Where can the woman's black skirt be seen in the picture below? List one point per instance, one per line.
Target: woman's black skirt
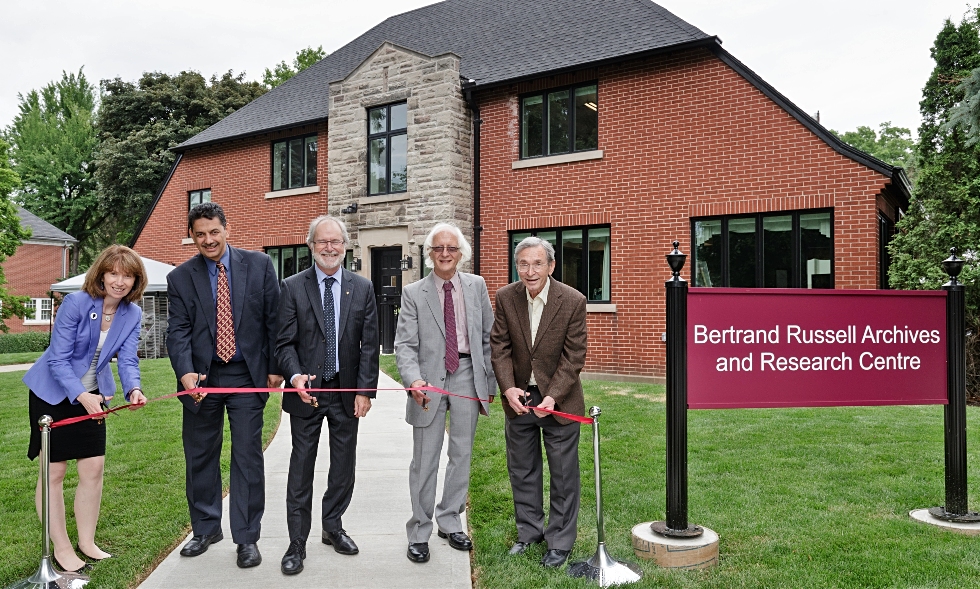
(83, 439)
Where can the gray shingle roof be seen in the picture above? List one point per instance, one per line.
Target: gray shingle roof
(496, 40)
(41, 230)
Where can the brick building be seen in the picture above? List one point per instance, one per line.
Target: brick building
(39, 262)
(610, 127)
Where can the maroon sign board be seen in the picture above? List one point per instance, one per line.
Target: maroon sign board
(814, 348)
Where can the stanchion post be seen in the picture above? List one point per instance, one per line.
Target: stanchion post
(954, 414)
(676, 525)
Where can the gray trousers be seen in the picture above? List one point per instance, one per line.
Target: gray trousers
(427, 447)
(525, 466)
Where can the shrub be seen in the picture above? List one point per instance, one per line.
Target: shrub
(32, 341)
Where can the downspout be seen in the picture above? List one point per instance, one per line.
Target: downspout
(477, 122)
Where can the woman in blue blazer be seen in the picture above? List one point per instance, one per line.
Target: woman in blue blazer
(73, 378)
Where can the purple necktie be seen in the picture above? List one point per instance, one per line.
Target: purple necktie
(452, 349)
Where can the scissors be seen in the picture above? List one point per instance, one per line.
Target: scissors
(309, 379)
(197, 396)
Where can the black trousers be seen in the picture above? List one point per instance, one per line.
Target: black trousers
(203, 433)
(340, 478)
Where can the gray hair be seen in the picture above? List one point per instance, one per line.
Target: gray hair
(464, 246)
(316, 223)
(535, 242)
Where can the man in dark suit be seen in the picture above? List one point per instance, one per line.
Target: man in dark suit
(538, 344)
(328, 338)
(221, 333)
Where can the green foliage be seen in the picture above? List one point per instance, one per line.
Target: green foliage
(892, 145)
(139, 122)
(282, 72)
(11, 235)
(31, 341)
(53, 141)
(944, 211)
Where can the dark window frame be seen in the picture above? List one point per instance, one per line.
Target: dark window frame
(545, 118)
(272, 162)
(760, 246)
(387, 135)
(277, 261)
(201, 191)
(559, 253)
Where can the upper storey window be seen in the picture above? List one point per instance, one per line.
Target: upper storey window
(560, 121)
(387, 149)
(294, 163)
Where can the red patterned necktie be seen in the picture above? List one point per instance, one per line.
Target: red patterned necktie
(226, 327)
(452, 348)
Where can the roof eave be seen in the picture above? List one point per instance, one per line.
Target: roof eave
(184, 147)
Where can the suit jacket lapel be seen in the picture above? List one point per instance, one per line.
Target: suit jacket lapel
(474, 318)
(316, 301)
(549, 311)
(523, 317)
(431, 296)
(202, 283)
(239, 278)
(95, 307)
(345, 302)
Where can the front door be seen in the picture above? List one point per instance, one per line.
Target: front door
(386, 274)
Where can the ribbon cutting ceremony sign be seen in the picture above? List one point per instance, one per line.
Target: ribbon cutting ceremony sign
(811, 348)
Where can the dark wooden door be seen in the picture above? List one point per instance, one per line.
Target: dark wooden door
(386, 274)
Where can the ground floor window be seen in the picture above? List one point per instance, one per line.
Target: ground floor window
(39, 311)
(582, 258)
(290, 259)
(787, 249)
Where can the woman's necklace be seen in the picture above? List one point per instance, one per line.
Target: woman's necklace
(107, 316)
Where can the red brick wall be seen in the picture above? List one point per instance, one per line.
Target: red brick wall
(239, 174)
(682, 136)
(30, 272)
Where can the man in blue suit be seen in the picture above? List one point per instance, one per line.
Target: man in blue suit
(221, 333)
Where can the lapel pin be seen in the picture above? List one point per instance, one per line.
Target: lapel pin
(94, 315)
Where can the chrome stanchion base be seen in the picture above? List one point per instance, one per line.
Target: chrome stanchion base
(46, 577)
(605, 570)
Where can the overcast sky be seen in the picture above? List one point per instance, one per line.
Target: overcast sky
(858, 62)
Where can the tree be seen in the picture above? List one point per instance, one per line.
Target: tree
(944, 211)
(139, 122)
(282, 72)
(892, 145)
(11, 235)
(53, 142)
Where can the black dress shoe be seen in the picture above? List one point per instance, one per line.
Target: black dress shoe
(199, 544)
(458, 540)
(248, 556)
(520, 548)
(554, 558)
(292, 561)
(82, 570)
(418, 552)
(341, 542)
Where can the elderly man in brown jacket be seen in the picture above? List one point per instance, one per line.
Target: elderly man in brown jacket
(538, 344)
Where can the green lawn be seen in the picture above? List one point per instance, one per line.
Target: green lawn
(389, 367)
(144, 512)
(19, 358)
(800, 498)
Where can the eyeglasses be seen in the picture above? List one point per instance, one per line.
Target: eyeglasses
(326, 242)
(445, 248)
(524, 266)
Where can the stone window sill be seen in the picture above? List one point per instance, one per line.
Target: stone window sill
(292, 192)
(382, 198)
(600, 308)
(187, 241)
(36, 322)
(564, 158)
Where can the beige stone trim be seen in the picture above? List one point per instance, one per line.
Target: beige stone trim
(187, 241)
(564, 158)
(382, 198)
(600, 308)
(292, 192)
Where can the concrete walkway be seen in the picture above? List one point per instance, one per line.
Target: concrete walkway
(15, 367)
(375, 520)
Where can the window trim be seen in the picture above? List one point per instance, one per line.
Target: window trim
(606, 304)
(201, 191)
(272, 163)
(387, 135)
(277, 262)
(760, 248)
(544, 117)
(38, 309)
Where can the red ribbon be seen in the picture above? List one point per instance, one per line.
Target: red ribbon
(219, 390)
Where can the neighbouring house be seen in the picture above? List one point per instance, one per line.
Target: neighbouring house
(42, 259)
(609, 127)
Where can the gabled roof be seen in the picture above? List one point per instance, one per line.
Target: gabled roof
(497, 41)
(41, 230)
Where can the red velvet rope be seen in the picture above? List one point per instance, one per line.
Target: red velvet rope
(219, 390)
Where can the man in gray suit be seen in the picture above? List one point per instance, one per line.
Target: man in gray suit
(328, 338)
(443, 340)
(221, 332)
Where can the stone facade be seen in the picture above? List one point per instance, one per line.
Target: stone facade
(439, 155)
